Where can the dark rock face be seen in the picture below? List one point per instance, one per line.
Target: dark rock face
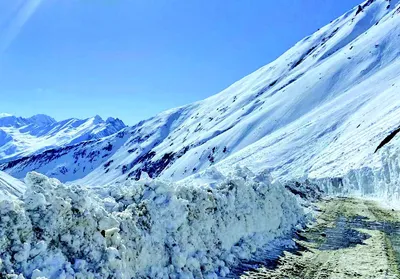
(359, 10)
(388, 139)
(145, 163)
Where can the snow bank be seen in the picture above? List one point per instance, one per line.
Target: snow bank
(382, 181)
(149, 229)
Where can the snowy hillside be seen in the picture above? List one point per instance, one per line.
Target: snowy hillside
(321, 109)
(10, 188)
(20, 137)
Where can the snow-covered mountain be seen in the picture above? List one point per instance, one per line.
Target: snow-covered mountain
(21, 137)
(320, 109)
(10, 188)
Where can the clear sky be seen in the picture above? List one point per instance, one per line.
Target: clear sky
(134, 58)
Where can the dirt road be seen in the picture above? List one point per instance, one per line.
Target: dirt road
(351, 239)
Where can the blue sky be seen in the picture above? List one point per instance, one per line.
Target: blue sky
(134, 58)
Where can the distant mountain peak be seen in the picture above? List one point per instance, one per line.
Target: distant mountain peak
(97, 119)
(21, 136)
(42, 119)
(4, 114)
(115, 122)
(9, 120)
(111, 119)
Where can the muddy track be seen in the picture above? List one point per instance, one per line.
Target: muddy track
(351, 238)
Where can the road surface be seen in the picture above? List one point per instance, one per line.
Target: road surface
(351, 238)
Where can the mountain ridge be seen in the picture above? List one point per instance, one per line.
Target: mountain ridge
(21, 137)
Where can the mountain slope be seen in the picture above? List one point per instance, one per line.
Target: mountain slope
(10, 188)
(21, 137)
(320, 109)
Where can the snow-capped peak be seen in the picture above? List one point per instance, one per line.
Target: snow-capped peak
(42, 119)
(4, 114)
(26, 136)
(97, 119)
(9, 120)
(116, 122)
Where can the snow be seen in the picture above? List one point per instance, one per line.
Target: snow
(4, 114)
(73, 161)
(381, 182)
(20, 137)
(149, 228)
(10, 188)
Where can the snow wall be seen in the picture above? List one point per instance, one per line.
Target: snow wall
(145, 229)
(381, 181)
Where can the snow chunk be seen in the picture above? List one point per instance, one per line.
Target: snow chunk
(147, 228)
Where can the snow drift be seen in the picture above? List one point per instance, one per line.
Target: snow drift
(145, 229)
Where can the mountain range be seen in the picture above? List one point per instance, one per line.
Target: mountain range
(21, 137)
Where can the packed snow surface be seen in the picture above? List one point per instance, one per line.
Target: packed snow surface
(145, 229)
